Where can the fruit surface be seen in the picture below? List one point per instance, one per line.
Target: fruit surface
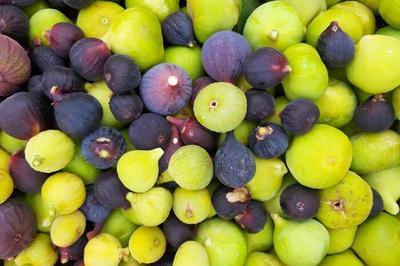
(191, 252)
(147, 244)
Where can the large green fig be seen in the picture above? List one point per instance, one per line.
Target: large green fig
(341, 239)
(347, 258)
(389, 11)
(314, 7)
(162, 8)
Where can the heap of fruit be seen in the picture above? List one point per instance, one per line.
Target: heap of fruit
(200, 132)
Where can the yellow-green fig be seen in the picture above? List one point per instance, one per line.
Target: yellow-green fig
(210, 16)
(191, 253)
(41, 252)
(377, 241)
(396, 101)
(389, 31)
(371, 4)
(263, 259)
(366, 16)
(389, 11)
(189, 58)
(306, 14)
(347, 258)
(341, 239)
(366, 71)
(262, 240)
(162, 8)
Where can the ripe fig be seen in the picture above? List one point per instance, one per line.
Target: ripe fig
(377, 204)
(299, 202)
(253, 219)
(198, 85)
(230, 202)
(109, 190)
(177, 232)
(62, 37)
(260, 105)
(174, 144)
(14, 23)
(126, 108)
(177, 29)
(44, 58)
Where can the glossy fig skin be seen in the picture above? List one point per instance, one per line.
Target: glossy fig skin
(268, 141)
(253, 219)
(260, 104)
(234, 163)
(25, 178)
(126, 108)
(110, 191)
(23, 115)
(122, 74)
(177, 29)
(198, 85)
(44, 58)
(335, 46)
(375, 114)
(224, 54)
(18, 228)
(150, 131)
(174, 144)
(88, 56)
(165, 89)
(77, 114)
(62, 36)
(78, 4)
(230, 202)
(93, 209)
(265, 67)
(14, 23)
(15, 66)
(178, 232)
(299, 116)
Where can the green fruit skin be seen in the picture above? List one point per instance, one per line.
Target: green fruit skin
(162, 8)
(11, 144)
(224, 241)
(119, 226)
(337, 105)
(347, 21)
(32, 9)
(44, 213)
(309, 77)
(42, 21)
(375, 151)
(262, 240)
(389, 31)
(79, 166)
(263, 259)
(273, 205)
(395, 102)
(129, 144)
(306, 14)
(371, 4)
(136, 32)
(365, 71)
(191, 253)
(377, 241)
(300, 243)
(315, 162)
(280, 104)
(186, 57)
(389, 11)
(330, 3)
(274, 24)
(211, 16)
(365, 15)
(341, 239)
(241, 132)
(192, 207)
(347, 258)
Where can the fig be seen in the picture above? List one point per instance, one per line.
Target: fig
(346, 258)
(335, 46)
(252, 220)
(93, 209)
(198, 85)
(11, 144)
(396, 102)
(262, 240)
(177, 29)
(234, 163)
(174, 144)
(165, 89)
(66, 229)
(15, 68)
(19, 3)
(62, 36)
(73, 252)
(177, 232)
(187, 58)
(341, 239)
(44, 58)
(377, 204)
(229, 202)
(34, 85)
(147, 244)
(162, 8)
(44, 214)
(241, 132)
(126, 108)
(260, 105)
(103, 249)
(119, 226)
(300, 243)
(23, 115)
(387, 10)
(4, 160)
(126, 36)
(224, 54)
(7, 184)
(14, 23)
(224, 16)
(193, 253)
(191, 206)
(371, 51)
(299, 202)
(314, 7)
(78, 4)
(280, 103)
(260, 258)
(376, 241)
(40, 252)
(246, 8)
(389, 31)
(299, 116)
(264, 27)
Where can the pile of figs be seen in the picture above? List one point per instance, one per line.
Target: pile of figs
(200, 132)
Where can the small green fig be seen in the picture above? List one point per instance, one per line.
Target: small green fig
(262, 240)
(389, 11)
(347, 258)
(365, 15)
(119, 226)
(191, 253)
(162, 8)
(341, 239)
(263, 259)
(186, 57)
(396, 101)
(40, 252)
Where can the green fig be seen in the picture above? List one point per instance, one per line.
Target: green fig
(365, 14)
(280, 104)
(79, 166)
(44, 213)
(191, 253)
(389, 11)
(306, 14)
(262, 240)
(37, 6)
(389, 31)
(387, 183)
(241, 132)
(300, 243)
(273, 205)
(395, 102)
(119, 226)
(371, 4)
(162, 8)
(347, 258)
(377, 241)
(341, 239)
(186, 57)
(263, 259)
(11, 144)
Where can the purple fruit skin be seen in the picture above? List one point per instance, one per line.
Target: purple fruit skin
(260, 105)
(109, 190)
(174, 144)
(92, 208)
(44, 58)
(229, 202)
(198, 85)
(177, 232)
(14, 23)
(253, 219)
(63, 36)
(299, 202)
(126, 108)
(177, 29)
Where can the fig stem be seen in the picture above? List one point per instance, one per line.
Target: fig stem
(173, 81)
(273, 35)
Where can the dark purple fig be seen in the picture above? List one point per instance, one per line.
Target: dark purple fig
(110, 191)
(234, 163)
(198, 85)
(20, 3)
(34, 85)
(375, 114)
(88, 56)
(17, 228)
(253, 219)
(260, 105)
(377, 205)
(44, 58)
(166, 260)
(299, 116)
(25, 178)
(150, 131)
(335, 46)
(78, 4)
(177, 232)
(224, 54)
(299, 202)
(265, 68)
(268, 141)
(14, 23)
(126, 108)
(73, 252)
(57, 81)
(177, 29)
(103, 147)
(165, 89)
(15, 66)
(122, 74)
(174, 144)
(94, 211)
(62, 36)
(230, 202)
(77, 114)
(63, 7)
(23, 115)
(192, 132)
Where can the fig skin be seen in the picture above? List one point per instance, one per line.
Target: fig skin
(44, 58)
(14, 23)
(126, 108)
(177, 29)
(200, 84)
(62, 37)
(253, 219)
(229, 202)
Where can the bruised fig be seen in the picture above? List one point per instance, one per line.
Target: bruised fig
(224, 54)
(88, 56)
(260, 104)
(266, 67)
(299, 116)
(230, 202)
(44, 58)
(177, 29)
(15, 66)
(198, 85)
(234, 163)
(14, 23)
(299, 202)
(62, 36)
(126, 108)
(23, 115)
(166, 89)
(335, 46)
(253, 219)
